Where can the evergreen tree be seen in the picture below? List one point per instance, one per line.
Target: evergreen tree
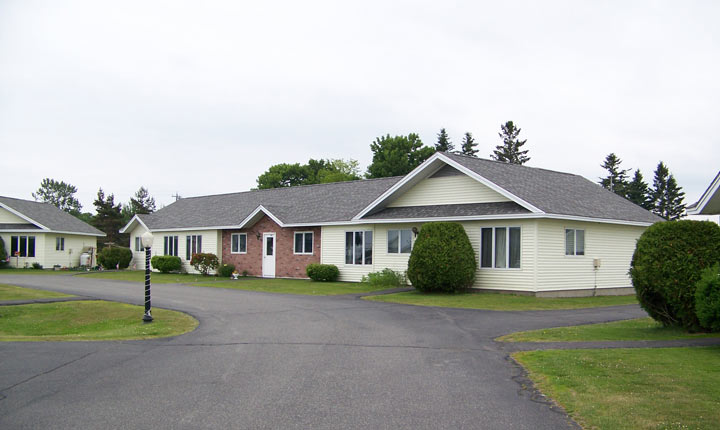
(509, 151)
(395, 156)
(443, 142)
(637, 191)
(58, 194)
(142, 203)
(666, 196)
(108, 218)
(468, 145)
(616, 181)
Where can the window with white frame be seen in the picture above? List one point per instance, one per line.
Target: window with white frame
(574, 241)
(138, 244)
(23, 246)
(59, 244)
(399, 241)
(500, 247)
(303, 242)
(238, 243)
(193, 245)
(358, 247)
(170, 245)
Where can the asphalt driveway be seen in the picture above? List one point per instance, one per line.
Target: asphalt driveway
(269, 361)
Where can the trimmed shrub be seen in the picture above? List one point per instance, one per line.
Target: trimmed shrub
(112, 257)
(385, 278)
(204, 262)
(667, 263)
(166, 263)
(37, 266)
(226, 270)
(3, 253)
(322, 272)
(707, 299)
(442, 258)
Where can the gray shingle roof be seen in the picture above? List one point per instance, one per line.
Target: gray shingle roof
(321, 203)
(556, 192)
(50, 216)
(5, 226)
(443, 211)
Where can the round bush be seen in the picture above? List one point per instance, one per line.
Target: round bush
(707, 299)
(226, 270)
(204, 262)
(442, 258)
(166, 263)
(668, 260)
(112, 257)
(322, 272)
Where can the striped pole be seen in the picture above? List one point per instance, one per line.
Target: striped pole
(147, 318)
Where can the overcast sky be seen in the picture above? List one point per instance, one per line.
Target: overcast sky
(201, 97)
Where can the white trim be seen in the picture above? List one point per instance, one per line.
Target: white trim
(399, 247)
(312, 247)
(134, 218)
(425, 165)
(255, 212)
(575, 230)
(507, 248)
(246, 243)
(15, 230)
(711, 191)
(26, 218)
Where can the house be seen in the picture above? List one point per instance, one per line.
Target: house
(41, 233)
(534, 231)
(709, 203)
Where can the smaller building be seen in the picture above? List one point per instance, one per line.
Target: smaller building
(41, 233)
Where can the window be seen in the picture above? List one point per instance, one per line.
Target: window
(170, 245)
(399, 241)
(574, 242)
(24, 246)
(138, 244)
(358, 247)
(238, 243)
(193, 245)
(59, 244)
(303, 242)
(500, 247)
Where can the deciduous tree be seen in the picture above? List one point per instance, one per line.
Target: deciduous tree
(396, 156)
(59, 194)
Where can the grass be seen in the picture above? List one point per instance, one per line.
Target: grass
(11, 292)
(88, 320)
(648, 388)
(276, 285)
(14, 271)
(502, 302)
(635, 329)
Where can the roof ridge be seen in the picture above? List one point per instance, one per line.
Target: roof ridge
(509, 164)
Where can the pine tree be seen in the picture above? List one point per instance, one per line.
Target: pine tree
(666, 196)
(637, 191)
(142, 203)
(468, 145)
(443, 142)
(616, 181)
(509, 151)
(108, 218)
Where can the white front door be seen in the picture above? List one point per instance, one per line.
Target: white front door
(268, 260)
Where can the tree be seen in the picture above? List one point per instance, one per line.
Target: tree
(616, 181)
(666, 196)
(108, 218)
(314, 172)
(637, 191)
(396, 156)
(443, 143)
(58, 194)
(142, 203)
(509, 151)
(468, 145)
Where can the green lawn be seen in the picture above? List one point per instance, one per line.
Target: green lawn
(277, 285)
(14, 271)
(501, 302)
(88, 320)
(11, 292)
(635, 329)
(649, 388)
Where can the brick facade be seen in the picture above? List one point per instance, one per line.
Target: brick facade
(287, 263)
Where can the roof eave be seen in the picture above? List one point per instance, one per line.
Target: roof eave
(711, 194)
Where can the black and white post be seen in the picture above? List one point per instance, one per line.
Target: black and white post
(147, 240)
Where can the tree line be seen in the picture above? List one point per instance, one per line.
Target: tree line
(392, 156)
(109, 218)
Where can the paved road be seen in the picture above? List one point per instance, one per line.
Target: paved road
(268, 361)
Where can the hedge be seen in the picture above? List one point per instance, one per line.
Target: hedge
(114, 257)
(166, 263)
(707, 299)
(322, 272)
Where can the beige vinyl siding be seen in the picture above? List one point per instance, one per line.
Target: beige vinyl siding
(7, 217)
(26, 261)
(444, 190)
(613, 244)
(70, 256)
(332, 242)
(211, 243)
